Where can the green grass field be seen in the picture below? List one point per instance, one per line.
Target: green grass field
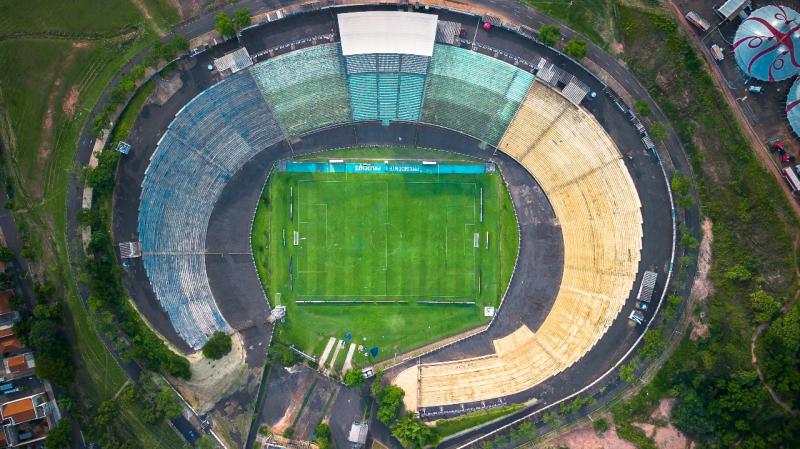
(363, 238)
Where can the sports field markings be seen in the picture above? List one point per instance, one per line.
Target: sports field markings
(473, 273)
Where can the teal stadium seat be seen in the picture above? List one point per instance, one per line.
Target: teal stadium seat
(473, 93)
(305, 89)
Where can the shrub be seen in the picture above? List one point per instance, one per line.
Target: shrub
(217, 346)
(354, 378)
(642, 107)
(764, 305)
(549, 34)
(626, 372)
(413, 433)
(576, 48)
(552, 419)
(658, 132)
(600, 426)
(323, 433)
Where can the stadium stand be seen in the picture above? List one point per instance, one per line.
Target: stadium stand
(472, 93)
(208, 141)
(305, 89)
(386, 86)
(592, 194)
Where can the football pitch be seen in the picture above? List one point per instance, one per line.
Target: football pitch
(388, 237)
(395, 260)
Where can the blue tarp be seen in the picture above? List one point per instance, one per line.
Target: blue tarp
(399, 168)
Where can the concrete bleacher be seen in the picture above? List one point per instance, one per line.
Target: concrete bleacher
(207, 142)
(306, 88)
(582, 172)
(386, 86)
(473, 93)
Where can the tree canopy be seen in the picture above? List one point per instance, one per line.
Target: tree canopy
(576, 48)
(549, 34)
(218, 346)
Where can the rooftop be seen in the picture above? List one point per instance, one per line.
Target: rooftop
(387, 32)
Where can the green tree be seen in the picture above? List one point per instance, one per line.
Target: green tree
(389, 403)
(576, 48)
(242, 18)
(552, 419)
(179, 43)
(168, 404)
(354, 378)
(217, 346)
(137, 72)
(653, 344)
(413, 433)
(643, 107)
(764, 305)
(61, 436)
(6, 255)
(224, 25)
(738, 273)
(658, 132)
(626, 372)
(205, 442)
(549, 34)
(600, 426)
(323, 433)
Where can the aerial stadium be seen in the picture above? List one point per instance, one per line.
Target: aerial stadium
(422, 193)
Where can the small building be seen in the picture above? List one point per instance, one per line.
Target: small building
(8, 341)
(731, 8)
(19, 365)
(358, 435)
(27, 420)
(234, 61)
(7, 315)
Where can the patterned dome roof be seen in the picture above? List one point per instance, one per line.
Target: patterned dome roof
(793, 107)
(767, 44)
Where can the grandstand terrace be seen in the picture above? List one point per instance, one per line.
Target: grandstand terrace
(313, 98)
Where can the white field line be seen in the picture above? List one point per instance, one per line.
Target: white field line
(348, 361)
(339, 345)
(327, 351)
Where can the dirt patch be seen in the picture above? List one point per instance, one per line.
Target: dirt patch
(70, 102)
(702, 285)
(213, 379)
(584, 437)
(80, 44)
(166, 88)
(664, 409)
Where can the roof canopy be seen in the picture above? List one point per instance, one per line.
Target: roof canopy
(400, 32)
(767, 44)
(793, 107)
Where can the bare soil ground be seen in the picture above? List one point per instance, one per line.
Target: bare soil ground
(584, 437)
(664, 436)
(166, 88)
(70, 101)
(213, 379)
(702, 286)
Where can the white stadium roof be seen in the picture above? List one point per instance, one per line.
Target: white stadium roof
(400, 32)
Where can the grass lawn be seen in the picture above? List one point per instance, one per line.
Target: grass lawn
(77, 16)
(446, 427)
(48, 88)
(383, 237)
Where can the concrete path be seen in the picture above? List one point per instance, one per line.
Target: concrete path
(327, 351)
(348, 362)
